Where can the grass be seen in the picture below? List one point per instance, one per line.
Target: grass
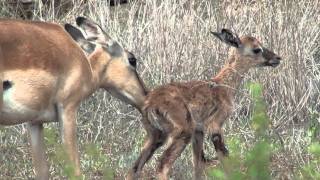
(172, 40)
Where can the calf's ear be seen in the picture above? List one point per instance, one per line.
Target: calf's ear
(228, 37)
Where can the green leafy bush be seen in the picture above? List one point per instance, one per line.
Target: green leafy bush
(255, 163)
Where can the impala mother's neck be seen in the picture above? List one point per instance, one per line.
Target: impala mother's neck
(98, 68)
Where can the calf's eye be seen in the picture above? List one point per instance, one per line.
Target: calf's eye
(257, 50)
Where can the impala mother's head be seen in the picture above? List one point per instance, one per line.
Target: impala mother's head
(113, 67)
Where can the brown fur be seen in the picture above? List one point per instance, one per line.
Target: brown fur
(50, 75)
(1, 74)
(180, 112)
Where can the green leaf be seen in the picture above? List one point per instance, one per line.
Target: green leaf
(217, 174)
(314, 149)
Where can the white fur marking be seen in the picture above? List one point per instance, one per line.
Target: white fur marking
(169, 142)
(127, 95)
(11, 106)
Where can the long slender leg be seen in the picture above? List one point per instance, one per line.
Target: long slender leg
(1, 79)
(198, 154)
(154, 140)
(177, 143)
(219, 145)
(69, 137)
(38, 151)
(216, 133)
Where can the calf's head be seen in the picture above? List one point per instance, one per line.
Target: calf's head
(249, 49)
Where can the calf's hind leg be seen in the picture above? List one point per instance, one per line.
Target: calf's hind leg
(154, 140)
(177, 142)
(199, 160)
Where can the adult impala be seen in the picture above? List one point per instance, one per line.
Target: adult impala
(47, 72)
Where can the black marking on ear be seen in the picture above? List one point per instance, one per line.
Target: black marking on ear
(7, 85)
(74, 32)
(92, 38)
(88, 47)
(114, 50)
(80, 20)
(88, 25)
(228, 37)
(92, 30)
(77, 35)
(216, 34)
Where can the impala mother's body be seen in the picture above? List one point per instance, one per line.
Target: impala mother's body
(46, 75)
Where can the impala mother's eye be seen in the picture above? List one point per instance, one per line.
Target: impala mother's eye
(257, 50)
(133, 61)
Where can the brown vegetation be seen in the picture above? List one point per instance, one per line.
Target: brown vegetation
(171, 41)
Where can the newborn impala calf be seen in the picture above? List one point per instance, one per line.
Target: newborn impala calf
(178, 112)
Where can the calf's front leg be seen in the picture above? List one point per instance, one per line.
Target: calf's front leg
(219, 145)
(216, 133)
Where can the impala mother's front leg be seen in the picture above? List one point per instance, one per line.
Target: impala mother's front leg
(39, 159)
(69, 136)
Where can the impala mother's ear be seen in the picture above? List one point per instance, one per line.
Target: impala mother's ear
(77, 35)
(114, 49)
(93, 31)
(95, 34)
(74, 32)
(228, 37)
